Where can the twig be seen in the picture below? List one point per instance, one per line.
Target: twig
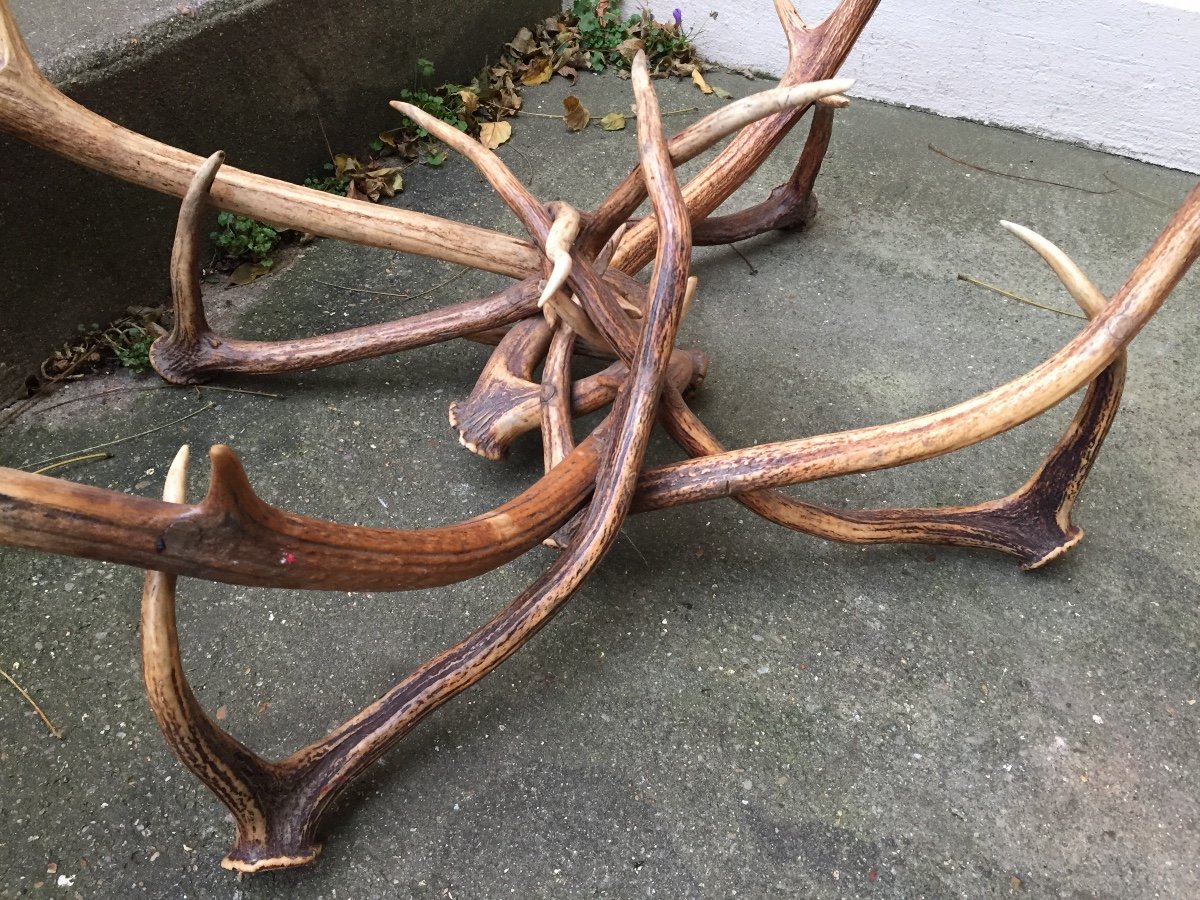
(120, 390)
(41, 462)
(745, 259)
(625, 535)
(963, 162)
(437, 287)
(596, 120)
(328, 146)
(54, 731)
(1011, 296)
(528, 162)
(87, 457)
(1130, 190)
(227, 390)
(343, 287)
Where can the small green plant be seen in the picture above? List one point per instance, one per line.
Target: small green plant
(245, 239)
(331, 183)
(444, 102)
(601, 31)
(610, 40)
(663, 40)
(132, 347)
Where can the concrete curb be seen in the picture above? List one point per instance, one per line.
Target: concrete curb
(258, 79)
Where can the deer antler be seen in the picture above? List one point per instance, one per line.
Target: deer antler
(974, 420)
(32, 109)
(578, 267)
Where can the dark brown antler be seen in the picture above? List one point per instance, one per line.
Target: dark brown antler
(277, 806)
(576, 296)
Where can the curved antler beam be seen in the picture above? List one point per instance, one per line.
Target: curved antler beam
(32, 109)
(234, 537)
(278, 806)
(814, 54)
(969, 422)
(792, 205)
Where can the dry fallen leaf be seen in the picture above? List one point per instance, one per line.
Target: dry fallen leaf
(722, 93)
(700, 82)
(493, 134)
(613, 122)
(470, 101)
(629, 48)
(246, 273)
(577, 117)
(540, 71)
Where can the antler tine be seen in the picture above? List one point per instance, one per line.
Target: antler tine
(321, 771)
(35, 111)
(15, 58)
(819, 57)
(173, 356)
(558, 248)
(527, 208)
(706, 133)
(557, 438)
(1079, 362)
(235, 774)
(793, 26)
(237, 538)
(623, 200)
(1078, 285)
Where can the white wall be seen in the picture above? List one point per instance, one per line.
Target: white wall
(1121, 75)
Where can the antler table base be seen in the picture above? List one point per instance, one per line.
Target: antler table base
(575, 293)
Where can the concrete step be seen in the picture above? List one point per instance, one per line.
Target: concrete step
(257, 78)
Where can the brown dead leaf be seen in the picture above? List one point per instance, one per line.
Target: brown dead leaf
(699, 81)
(601, 8)
(493, 134)
(613, 122)
(629, 48)
(470, 101)
(523, 44)
(577, 117)
(539, 72)
(569, 72)
(722, 93)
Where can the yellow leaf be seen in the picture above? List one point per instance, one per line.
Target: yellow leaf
(577, 117)
(493, 134)
(613, 122)
(700, 82)
(539, 72)
(470, 101)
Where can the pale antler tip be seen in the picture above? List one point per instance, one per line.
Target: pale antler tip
(175, 489)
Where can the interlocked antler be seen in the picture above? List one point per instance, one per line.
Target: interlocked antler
(577, 295)
(32, 109)
(277, 806)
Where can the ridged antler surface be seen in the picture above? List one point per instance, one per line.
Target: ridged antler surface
(575, 293)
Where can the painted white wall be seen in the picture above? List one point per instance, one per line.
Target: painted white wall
(1120, 75)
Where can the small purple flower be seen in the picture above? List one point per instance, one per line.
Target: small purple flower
(678, 17)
